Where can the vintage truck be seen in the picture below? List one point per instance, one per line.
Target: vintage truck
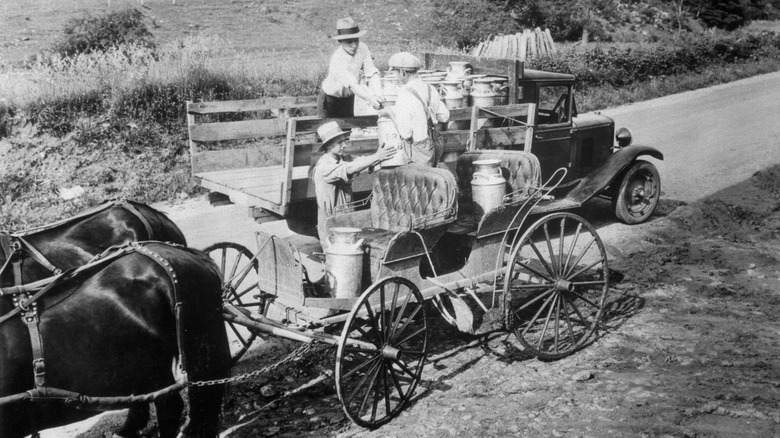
(263, 155)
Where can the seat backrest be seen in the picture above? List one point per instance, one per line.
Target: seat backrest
(520, 169)
(413, 197)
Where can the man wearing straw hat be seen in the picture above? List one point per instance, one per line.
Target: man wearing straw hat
(335, 169)
(348, 64)
(417, 110)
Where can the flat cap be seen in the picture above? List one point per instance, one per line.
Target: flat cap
(405, 61)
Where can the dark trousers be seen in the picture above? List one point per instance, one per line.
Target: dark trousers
(332, 107)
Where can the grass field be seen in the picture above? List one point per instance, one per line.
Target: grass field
(264, 27)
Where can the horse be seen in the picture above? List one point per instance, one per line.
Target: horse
(46, 250)
(119, 326)
(71, 242)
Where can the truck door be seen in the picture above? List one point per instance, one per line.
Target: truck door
(552, 135)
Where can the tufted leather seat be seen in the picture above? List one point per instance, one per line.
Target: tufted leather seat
(520, 169)
(413, 197)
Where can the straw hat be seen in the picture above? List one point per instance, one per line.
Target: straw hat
(347, 29)
(329, 132)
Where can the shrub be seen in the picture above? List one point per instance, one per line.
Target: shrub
(464, 23)
(90, 34)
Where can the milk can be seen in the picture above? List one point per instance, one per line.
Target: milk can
(482, 95)
(389, 137)
(452, 92)
(344, 262)
(501, 88)
(458, 70)
(488, 187)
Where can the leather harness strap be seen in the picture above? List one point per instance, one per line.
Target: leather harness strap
(131, 208)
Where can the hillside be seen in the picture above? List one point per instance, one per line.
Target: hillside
(271, 27)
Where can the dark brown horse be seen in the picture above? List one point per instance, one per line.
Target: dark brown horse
(118, 328)
(74, 241)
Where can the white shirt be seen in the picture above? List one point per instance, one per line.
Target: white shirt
(410, 114)
(344, 70)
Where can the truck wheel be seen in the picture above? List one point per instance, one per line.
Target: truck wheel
(636, 198)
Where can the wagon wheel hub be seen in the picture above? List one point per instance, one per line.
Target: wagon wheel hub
(564, 286)
(391, 353)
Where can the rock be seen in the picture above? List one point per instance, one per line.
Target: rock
(68, 193)
(183, 195)
(752, 266)
(582, 376)
(268, 391)
(309, 411)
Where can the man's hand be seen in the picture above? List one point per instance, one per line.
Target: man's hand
(385, 152)
(386, 112)
(374, 102)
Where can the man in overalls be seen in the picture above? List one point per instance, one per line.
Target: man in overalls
(417, 110)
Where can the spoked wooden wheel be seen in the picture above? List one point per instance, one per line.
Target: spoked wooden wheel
(556, 285)
(382, 352)
(239, 288)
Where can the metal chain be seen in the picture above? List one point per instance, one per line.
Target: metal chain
(298, 354)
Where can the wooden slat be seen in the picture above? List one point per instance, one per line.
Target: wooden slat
(237, 106)
(306, 124)
(289, 155)
(504, 110)
(480, 65)
(207, 161)
(245, 129)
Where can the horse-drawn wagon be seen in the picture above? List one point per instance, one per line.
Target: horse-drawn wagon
(485, 240)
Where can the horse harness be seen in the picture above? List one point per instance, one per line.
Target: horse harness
(25, 299)
(15, 246)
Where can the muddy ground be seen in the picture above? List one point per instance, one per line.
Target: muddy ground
(689, 347)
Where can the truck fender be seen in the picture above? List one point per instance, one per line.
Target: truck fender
(601, 178)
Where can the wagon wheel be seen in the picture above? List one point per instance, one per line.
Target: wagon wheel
(382, 352)
(637, 196)
(555, 288)
(239, 288)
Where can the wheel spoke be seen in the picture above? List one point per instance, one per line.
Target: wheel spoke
(385, 371)
(244, 273)
(547, 321)
(396, 383)
(538, 312)
(391, 316)
(383, 314)
(549, 248)
(585, 269)
(530, 286)
(246, 291)
(544, 294)
(406, 339)
(534, 271)
(238, 334)
(544, 262)
(409, 320)
(571, 248)
(579, 257)
(234, 266)
(361, 366)
(400, 312)
(372, 320)
(557, 323)
(568, 323)
(222, 265)
(584, 298)
(582, 318)
(359, 385)
(560, 244)
(405, 369)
